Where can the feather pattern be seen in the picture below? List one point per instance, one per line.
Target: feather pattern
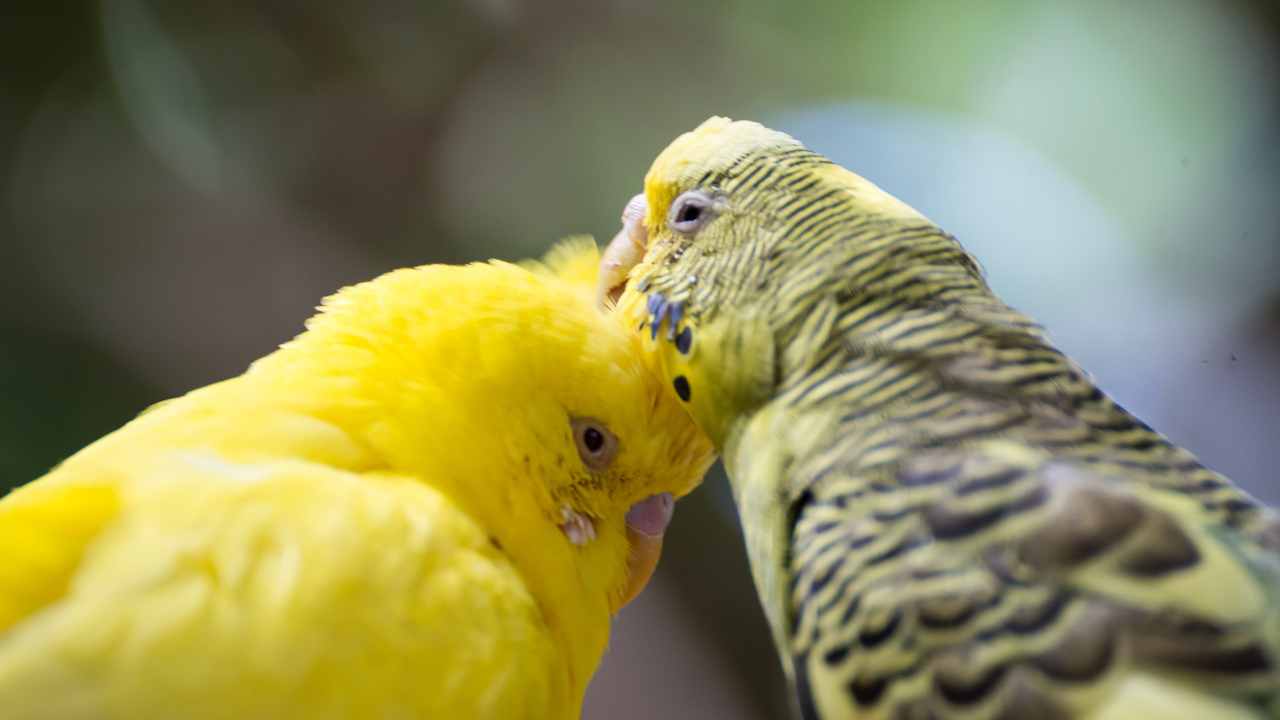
(946, 517)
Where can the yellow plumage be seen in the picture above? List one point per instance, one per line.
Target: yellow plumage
(367, 523)
(945, 517)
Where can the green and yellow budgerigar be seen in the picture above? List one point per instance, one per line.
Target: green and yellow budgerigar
(427, 505)
(945, 517)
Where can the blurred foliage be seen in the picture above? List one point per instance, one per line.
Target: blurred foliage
(180, 183)
(59, 395)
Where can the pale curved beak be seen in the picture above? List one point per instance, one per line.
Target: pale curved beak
(647, 520)
(624, 252)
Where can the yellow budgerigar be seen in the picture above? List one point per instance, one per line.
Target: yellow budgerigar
(945, 517)
(427, 505)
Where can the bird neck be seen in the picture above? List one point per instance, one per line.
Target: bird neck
(895, 374)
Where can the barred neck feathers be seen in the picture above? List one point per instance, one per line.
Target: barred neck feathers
(918, 355)
(873, 311)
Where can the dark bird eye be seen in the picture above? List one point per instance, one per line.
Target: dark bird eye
(690, 211)
(596, 445)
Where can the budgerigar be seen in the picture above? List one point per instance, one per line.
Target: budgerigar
(427, 505)
(945, 517)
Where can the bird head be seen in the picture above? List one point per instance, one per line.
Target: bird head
(743, 221)
(506, 388)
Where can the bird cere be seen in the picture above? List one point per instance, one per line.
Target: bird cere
(432, 501)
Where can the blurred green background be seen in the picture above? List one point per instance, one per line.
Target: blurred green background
(180, 184)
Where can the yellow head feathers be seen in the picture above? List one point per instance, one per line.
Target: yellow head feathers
(718, 151)
(418, 507)
(488, 364)
(708, 150)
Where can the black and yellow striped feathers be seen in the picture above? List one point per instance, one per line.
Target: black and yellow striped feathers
(945, 517)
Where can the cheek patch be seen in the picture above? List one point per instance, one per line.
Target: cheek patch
(681, 384)
(684, 340)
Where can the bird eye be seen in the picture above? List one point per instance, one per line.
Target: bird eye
(690, 211)
(596, 445)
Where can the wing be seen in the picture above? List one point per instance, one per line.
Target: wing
(272, 589)
(995, 580)
(44, 530)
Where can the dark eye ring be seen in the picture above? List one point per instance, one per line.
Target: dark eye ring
(691, 211)
(596, 445)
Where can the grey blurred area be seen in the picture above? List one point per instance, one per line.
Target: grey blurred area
(181, 183)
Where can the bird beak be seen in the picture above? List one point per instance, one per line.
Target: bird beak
(624, 252)
(647, 520)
